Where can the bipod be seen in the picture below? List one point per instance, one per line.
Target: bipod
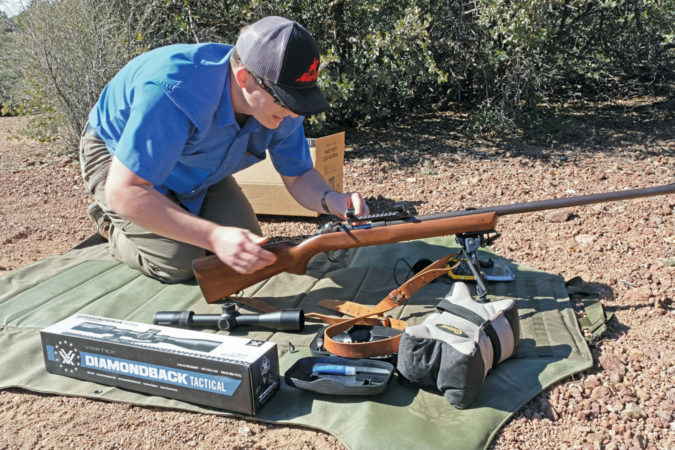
(469, 244)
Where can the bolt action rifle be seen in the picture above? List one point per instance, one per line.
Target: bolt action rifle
(218, 281)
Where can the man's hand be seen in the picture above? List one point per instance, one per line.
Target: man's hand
(241, 249)
(339, 204)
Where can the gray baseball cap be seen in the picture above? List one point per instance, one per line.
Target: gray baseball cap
(285, 54)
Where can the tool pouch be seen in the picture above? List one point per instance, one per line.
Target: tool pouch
(454, 348)
(373, 380)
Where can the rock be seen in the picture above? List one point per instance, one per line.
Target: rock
(614, 377)
(575, 392)
(600, 392)
(633, 411)
(547, 409)
(663, 415)
(559, 215)
(584, 239)
(596, 438)
(671, 394)
(612, 364)
(643, 394)
(667, 406)
(245, 431)
(652, 353)
(591, 381)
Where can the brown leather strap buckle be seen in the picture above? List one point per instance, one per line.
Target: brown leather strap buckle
(396, 298)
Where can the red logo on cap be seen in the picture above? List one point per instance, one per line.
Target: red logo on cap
(312, 74)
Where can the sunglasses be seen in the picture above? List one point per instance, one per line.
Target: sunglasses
(267, 89)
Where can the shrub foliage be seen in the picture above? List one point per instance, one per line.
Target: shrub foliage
(379, 58)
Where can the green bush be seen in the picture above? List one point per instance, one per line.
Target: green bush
(8, 60)
(380, 58)
(376, 56)
(505, 57)
(381, 68)
(69, 50)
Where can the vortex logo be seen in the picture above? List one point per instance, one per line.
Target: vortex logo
(67, 356)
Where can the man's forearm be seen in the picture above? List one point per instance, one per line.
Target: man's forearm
(135, 199)
(307, 189)
(148, 208)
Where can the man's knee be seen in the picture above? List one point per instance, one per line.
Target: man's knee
(163, 259)
(170, 275)
(175, 269)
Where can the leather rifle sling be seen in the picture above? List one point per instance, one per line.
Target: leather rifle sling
(333, 305)
(265, 307)
(397, 297)
(328, 304)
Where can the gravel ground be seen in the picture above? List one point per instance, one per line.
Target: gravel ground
(627, 249)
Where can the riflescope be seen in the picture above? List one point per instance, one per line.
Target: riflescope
(282, 320)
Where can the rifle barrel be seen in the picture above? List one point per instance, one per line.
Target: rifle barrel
(541, 205)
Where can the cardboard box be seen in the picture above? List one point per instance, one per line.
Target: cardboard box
(267, 193)
(226, 372)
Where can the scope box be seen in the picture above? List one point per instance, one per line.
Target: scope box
(225, 372)
(265, 189)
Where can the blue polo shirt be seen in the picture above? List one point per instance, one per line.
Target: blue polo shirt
(167, 116)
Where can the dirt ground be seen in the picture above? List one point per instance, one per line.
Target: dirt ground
(627, 249)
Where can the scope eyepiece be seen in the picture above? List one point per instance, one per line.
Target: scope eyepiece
(181, 319)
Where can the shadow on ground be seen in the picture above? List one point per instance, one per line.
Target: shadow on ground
(639, 128)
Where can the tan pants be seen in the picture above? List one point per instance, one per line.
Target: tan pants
(158, 257)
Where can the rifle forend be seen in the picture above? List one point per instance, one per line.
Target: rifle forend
(217, 280)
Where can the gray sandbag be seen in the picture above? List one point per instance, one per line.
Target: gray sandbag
(455, 347)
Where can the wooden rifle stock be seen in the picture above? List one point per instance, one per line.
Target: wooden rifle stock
(217, 280)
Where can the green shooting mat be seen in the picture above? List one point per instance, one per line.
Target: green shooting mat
(87, 281)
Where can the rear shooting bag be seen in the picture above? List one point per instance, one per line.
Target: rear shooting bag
(455, 347)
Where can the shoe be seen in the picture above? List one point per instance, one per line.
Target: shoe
(100, 219)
